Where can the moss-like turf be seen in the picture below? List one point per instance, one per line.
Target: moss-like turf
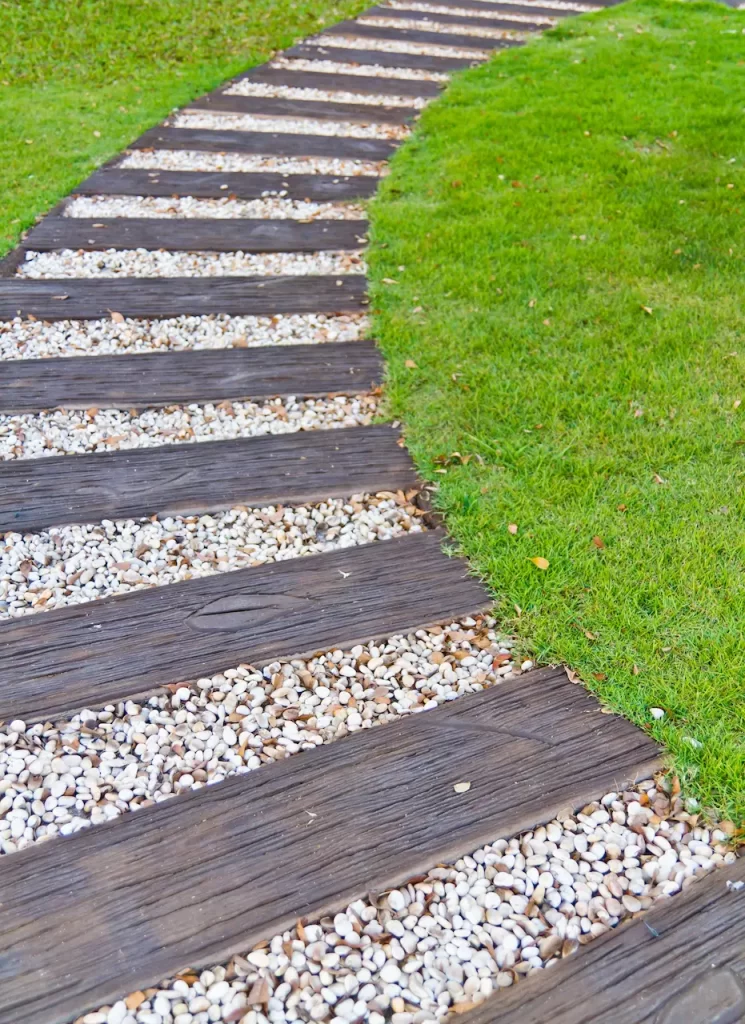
(566, 351)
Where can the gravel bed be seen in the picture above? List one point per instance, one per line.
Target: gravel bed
(74, 431)
(288, 92)
(162, 263)
(35, 339)
(74, 564)
(438, 26)
(398, 46)
(559, 5)
(333, 67)
(267, 208)
(468, 12)
(445, 942)
(197, 160)
(288, 125)
(90, 767)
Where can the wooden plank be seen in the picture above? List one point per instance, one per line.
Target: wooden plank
(174, 378)
(478, 6)
(218, 185)
(90, 298)
(338, 52)
(412, 35)
(187, 234)
(195, 478)
(321, 110)
(265, 143)
(343, 83)
(453, 19)
(681, 963)
(119, 646)
(115, 908)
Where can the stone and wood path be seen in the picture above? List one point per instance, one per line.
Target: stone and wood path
(97, 412)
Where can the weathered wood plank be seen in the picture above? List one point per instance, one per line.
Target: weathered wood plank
(264, 143)
(320, 110)
(182, 234)
(167, 378)
(682, 963)
(453, 19)
(412, 35)
(338, 52)
(195, 478)
(343, 83)
(89, 298)
(118, 646)
(115, 908)
(217, 185)
(493, 6)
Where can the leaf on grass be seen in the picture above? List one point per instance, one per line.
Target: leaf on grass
(658, 479)
(598, 542)
(635, 670)
(389, 280)
(462, 787)
(512, 528)
(648, 310)
(589, 635)
(410, 364)
(600, 676)
(542, 563)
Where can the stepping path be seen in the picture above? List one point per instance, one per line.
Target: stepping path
(208, 286)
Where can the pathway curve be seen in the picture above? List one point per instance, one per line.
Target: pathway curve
(211, 560)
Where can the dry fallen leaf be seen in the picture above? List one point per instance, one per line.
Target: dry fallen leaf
(134, 1000)
(597, 541)
(648, 310)
(117, 317)
(512, 528)
(462, 787)
(542, 563)
(463, 1007)
(658, 479)
(635, 670)
(410, 364)
(600, 676)
(259, 993)
(389, 280)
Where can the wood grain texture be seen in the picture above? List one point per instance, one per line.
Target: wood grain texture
(115, 908)
(343, 83)
(413, 35)
(228, 140)
(195, 234)
(208, 476)
(692, 971)
(89, 298)
(217, 185)
(453, 19)
(328, 50)
(320, 110)
(119, 646)
(168, 378)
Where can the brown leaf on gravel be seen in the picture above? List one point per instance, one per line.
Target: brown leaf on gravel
(463, 1007)
(598, 542)
(134, 1000)
(117, 317)
(259, 993)
(301, 930)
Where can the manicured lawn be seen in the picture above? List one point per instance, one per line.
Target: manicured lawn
(79, 79)
(565, 234)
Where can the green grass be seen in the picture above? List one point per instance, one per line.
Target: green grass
(565, 234)
(80, 79)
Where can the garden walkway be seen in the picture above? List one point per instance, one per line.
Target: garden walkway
(208, 285)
